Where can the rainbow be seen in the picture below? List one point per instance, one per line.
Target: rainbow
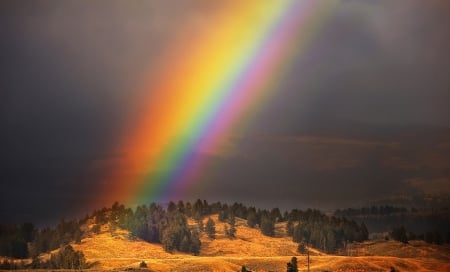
(207, 86)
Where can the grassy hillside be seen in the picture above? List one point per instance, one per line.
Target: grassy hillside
(257, 252)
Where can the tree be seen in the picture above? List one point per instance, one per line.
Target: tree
(198, 209)
(275, 215)
(68, 258)
(292, 265)
(290, 227)
(210, 228)
(200, 225)
(301, 248)
(222, 216)
(195, 243)
(251, 218)
(399, 234)
(231, 232)
(365, 232)
(267, 225)
(142, 265)
(176, 235)
(180, 207)
(330, 241)
(185, 244)
(172, 207)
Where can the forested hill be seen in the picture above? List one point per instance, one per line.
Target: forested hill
(428, 224)
(183, 226)
(168, 227)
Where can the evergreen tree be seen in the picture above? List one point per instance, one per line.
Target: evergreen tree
(185, 244)
(330, 241)
(172, 207)
(267, 225)
(290, 227)
(399, 234)
(301, 248)
(176, 235)
(222, 216)
(364, 231)
(200, 225)
(181, 207)
(197, 210)
(195, 243)
(275, 215)
(142, 265)
(210, 228)
(231, 233)
(292, 265)
(68, 258)
(188, 209)
(251, 218)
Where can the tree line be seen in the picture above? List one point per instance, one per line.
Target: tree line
(430, 225)
(329, 233)
(432, 237)
(22, 241)
(374, 210)
(168, 226)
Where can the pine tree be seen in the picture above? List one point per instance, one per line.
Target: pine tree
(232, 231)
(197, 210)
(142, 265)
(399, 234)
(210, 228)
(365, 232)
(195, 244)
(301, 248)
(200, 225)
(222, 216)
(290, 227)
(251, 218)
(275, 215)
(292, 265)
(267, 225)
(172, 207)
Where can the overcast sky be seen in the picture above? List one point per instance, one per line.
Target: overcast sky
(365, 111)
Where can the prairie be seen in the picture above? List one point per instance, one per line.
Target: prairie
(114, 251)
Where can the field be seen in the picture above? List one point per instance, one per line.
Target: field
(258, 253)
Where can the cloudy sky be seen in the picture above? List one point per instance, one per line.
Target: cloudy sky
(362, 115)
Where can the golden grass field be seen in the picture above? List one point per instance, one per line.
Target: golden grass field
(258, 253)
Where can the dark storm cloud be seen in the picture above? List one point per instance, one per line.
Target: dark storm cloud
(71, 77)
(376, 74)
(382, 62)
(66, 70)
(327, 172)
(374, 84)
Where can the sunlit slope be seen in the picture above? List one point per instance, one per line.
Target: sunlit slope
(257, 252)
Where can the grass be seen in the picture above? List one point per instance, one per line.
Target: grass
(257, 252)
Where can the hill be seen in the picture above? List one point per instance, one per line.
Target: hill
(197, 237)
(257, 252)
